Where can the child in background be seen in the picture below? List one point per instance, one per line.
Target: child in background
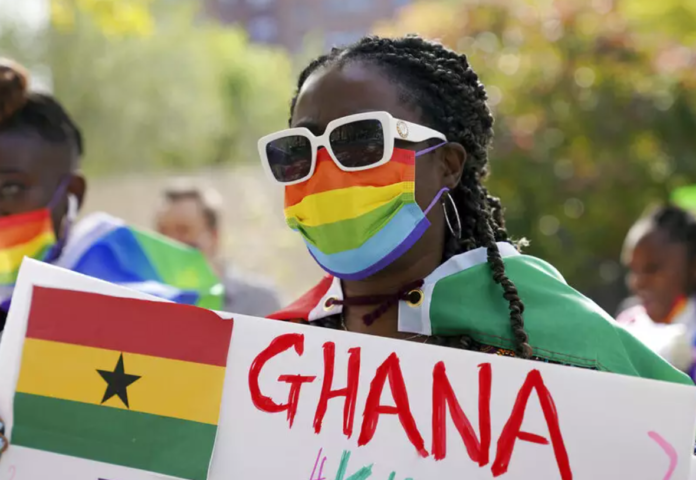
(660, 252)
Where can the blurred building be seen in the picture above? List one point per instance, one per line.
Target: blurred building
(288, 22)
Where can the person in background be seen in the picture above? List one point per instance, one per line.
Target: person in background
(41, 192)
(383, 167)
(191, 215)
(660, 254)
(41, 188)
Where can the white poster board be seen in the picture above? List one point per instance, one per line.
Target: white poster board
(573, 423)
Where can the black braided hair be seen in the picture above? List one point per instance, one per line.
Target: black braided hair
(442, 84)
(22, 110)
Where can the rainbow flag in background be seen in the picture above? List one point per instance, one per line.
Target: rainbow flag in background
(128, 382)
(105, 247)
(24, 235)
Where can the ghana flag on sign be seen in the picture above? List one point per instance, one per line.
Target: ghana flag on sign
(122, 381)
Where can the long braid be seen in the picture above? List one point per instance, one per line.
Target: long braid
(442, 85)
(486, 237)
(496, 207)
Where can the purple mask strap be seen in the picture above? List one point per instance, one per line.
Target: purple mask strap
(436, 199)
(57, 249)
(62, 187)
(428, 150)
(442, 190)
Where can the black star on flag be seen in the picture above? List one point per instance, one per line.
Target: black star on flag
(117, 382)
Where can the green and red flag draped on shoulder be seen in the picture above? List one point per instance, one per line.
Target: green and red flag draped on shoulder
(460, 297)
(128, 382)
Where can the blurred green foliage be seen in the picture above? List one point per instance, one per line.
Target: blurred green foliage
(153, 84)
(595, 105)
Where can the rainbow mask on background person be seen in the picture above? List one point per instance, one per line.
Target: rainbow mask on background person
(32, 235)
(350, 193)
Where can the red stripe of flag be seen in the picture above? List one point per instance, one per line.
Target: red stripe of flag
(302, 307)
(158, 329)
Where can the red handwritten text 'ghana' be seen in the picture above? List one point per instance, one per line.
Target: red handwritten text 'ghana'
(443, 397)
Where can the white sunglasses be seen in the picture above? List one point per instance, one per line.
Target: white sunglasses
(356, 142)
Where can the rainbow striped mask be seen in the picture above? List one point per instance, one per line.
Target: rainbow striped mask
(357, 223)
(24, 235)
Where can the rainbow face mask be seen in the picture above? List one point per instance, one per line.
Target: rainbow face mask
(357, 223)
(24, 235)
(30, 234)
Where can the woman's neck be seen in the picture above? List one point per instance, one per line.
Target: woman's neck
(387, 282)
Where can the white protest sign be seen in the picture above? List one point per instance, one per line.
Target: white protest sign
(394, 410)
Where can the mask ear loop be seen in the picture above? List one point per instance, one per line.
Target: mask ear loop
(62, 187)
(441, 195)
(428, 150)
(70, 216)
(73, 207)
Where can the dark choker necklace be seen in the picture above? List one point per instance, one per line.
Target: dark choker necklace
(410, 293)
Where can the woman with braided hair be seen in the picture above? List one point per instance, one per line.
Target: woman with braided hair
(383, 169)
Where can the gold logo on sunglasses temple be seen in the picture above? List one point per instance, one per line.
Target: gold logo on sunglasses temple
(402, 128)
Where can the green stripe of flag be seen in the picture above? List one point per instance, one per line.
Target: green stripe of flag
(167, 257)
(165, 445)
(339, 236)
(563, 325)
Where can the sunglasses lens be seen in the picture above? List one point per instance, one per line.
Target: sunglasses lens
(290, 158)
(358, 144)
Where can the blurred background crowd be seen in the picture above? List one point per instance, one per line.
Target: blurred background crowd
(595, 106)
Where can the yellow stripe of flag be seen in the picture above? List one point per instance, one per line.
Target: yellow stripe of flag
(10, 261)
(344, 204)
(171, 388)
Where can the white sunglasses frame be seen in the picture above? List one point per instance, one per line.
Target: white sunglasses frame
(393, 128)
